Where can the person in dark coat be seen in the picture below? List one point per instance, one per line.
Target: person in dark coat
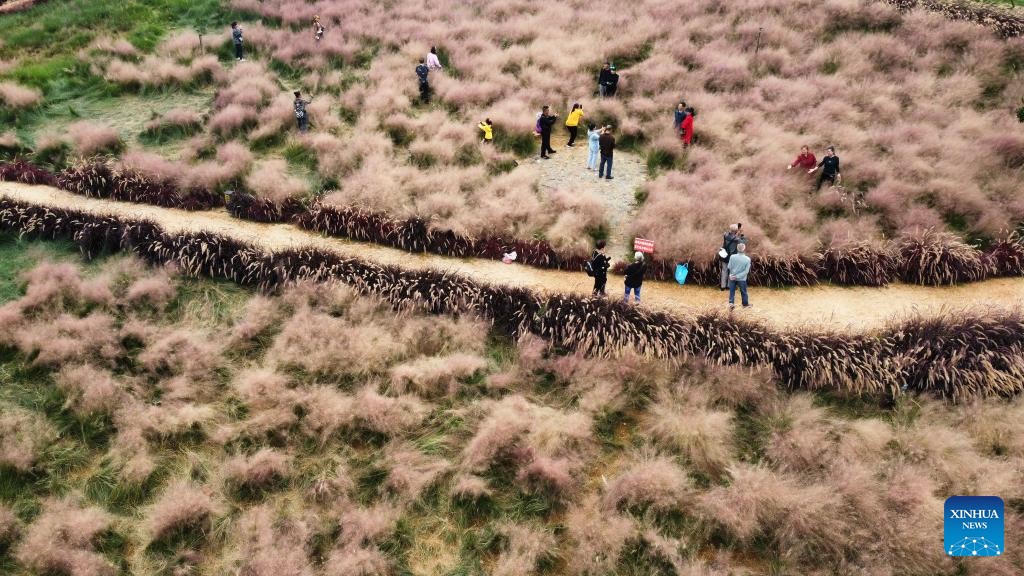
(301, 116)
(730, 241)
(607, 145)
(421, 72)
(236, 39)
(604, 79)
(600, 262)
(546, 122)
(829, 167)
(635, 277)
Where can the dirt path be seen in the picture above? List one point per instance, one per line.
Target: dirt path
(568, 170)
(825, 306)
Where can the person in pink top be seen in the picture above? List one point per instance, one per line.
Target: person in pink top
(433, 62)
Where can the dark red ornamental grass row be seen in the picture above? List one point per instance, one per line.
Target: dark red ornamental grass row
(1005, 23)
(925, 257)
(101, 178)
(956, 357)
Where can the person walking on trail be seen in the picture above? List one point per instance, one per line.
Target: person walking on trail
(488, 129)
(677, 118)
(829, 167)
(604, 79)
(546, 122)
(421, 72)
(805, 160)
(301, 116)
(635, 277)
(599, 264)
(572, 122)
(318, 29)
(730, 241)
(433, 62)
(236, 39)
(594, 141)
(739, 267)
(686, 127)
(607, 144)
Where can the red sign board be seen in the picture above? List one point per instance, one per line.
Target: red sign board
(641, 245)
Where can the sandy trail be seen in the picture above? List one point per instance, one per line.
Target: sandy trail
(824, 307)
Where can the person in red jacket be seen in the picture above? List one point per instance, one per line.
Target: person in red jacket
(686, 127)
(805, 160)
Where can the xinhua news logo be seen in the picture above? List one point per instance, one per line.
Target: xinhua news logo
(974, 526)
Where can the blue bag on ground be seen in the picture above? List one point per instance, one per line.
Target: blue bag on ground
(682, 271)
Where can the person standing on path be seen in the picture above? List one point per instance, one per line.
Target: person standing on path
(236, 38)
(739, 267)
(607, 145)
(594, 141)
(300, 112)
(730, 241)
(546, 122)
(421, 72)
(686, 127)
(318, 29)
(604, 79)
(805, 160)
(433, 62)
(488, 129)
(600, 262)
(829, 166)
(635, 277)
(572, 122)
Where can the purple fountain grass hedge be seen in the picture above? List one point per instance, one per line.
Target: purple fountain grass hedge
(936, 258)
(101, 178)
(250, 207)
(859, 264)
(955, 357)
(26, 173)
(1006, 256)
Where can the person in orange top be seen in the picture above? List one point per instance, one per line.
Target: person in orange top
(805, 160)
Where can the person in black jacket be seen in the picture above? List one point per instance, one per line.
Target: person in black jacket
(422, 71)
(829, 166)
(547, 122)
(604, 79)
(600, 262)
(635, 277)
(730, 241)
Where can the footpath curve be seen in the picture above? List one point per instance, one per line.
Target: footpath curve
(824, 307)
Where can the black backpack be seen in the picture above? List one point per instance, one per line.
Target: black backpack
(588, 267)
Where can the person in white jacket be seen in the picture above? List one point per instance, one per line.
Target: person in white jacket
(594, 141)
(433, 62)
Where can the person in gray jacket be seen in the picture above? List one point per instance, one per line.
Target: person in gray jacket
(739, 267)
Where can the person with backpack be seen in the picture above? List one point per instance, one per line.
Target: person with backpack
(730, 240)
(236, 39)
(607, 144)
(597, 267)
(635, 277)
(487, 127)
(318, 29)
(594, 141)
(300, 112)
(422, 72)
(572, 122)
(739, 268)
(546, 122)
(613, 83)
(829, 166)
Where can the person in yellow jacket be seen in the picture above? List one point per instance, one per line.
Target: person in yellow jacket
(572, 122)
(488, 129)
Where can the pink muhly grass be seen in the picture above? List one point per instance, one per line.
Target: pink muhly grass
(181, 352)
(469, 487)
(232, 118)
(436, 375)
(327, 411)
(259, 471)
(357, 561)
(527, 545)
(270, 179)
(9, 525)
(260, 314)
(68, 338)
(89, 389)
(598, 536)
(17, 96)
(156, 291)
(62, 540)
(23, 437)
(60, 285)
(805, 442)
(181, 507)
(411, 472)
(388, 415)
(702, 434)
(367, 526)
(272, 545)
(89, 138)
(655, 482)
